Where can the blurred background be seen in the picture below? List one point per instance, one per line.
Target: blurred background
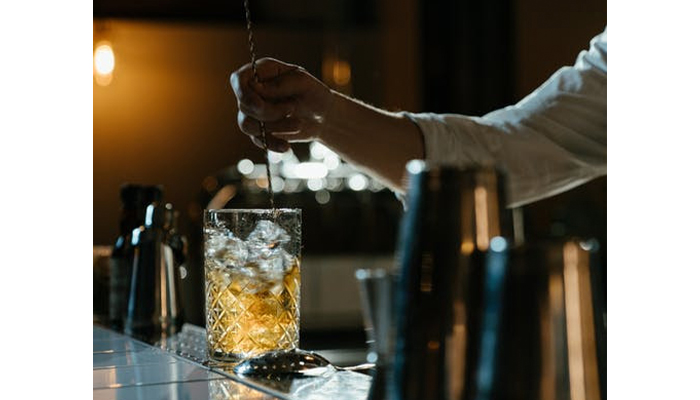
(164, 113)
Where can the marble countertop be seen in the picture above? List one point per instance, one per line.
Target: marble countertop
(125, 368)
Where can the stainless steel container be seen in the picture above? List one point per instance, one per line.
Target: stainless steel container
(554, 336)
(154, 306)
(446, 234)
(479, 319)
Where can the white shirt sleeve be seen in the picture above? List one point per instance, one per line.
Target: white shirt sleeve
(551, 141)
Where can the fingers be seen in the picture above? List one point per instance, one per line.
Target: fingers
(240, 83)
(275, 106)
(269, 68)
(278, 92)
(251, 126)
(292, 83)
(293, 137)
(250, 103)
(273, 143)
(267, 111)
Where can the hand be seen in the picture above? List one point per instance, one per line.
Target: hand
(288, 100)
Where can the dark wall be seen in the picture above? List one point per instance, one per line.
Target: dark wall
(468, 50)
(549, 34)
(481, 55)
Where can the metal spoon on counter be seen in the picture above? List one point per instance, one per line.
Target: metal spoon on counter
(292, 362)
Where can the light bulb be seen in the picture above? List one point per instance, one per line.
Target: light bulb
(103, 63)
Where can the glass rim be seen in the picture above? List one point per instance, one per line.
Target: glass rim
(251, 210)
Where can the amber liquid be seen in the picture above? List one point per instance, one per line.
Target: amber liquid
(228, 389)
(248, 315)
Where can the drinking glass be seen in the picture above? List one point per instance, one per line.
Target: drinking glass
(252, 263)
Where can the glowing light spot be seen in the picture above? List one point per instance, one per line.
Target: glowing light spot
(104, 59)
(467, 247)
(318, 151)
(315, 184)
(261, 182)
(103, 63)
(245, 166)
(149, 214)
(433, 345)
(323, 197)
(358, 182)
(334, 184)
(305, 170)
(342, 73)
(331, 161)
(590, 245)
(275, 157)
(415, 166)
(372, 357)
(482, 218)
(292, 185)
(277, 184)
(498, 244)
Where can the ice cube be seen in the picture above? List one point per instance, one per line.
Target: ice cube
(260, 251)
(277, 288)
(275, 265)
(265, 246)
(268, 232)
(225, 251)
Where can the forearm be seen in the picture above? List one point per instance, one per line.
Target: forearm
(375, 140)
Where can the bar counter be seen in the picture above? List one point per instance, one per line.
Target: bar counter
(175, 368)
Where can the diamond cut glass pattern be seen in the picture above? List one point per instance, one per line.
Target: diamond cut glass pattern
(252, 281)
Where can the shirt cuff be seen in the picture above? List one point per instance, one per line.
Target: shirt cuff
(441, 144)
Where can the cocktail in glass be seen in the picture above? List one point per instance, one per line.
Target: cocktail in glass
(252, 281)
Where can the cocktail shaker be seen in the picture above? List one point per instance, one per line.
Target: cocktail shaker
(135, 198)
(452, 260)
(154, 305)
(553, 345)
(477, 317)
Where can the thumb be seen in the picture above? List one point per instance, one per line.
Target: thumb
(269, 68)
(291, 83)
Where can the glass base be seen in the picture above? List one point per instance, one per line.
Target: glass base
(215, 358)
(283, 362)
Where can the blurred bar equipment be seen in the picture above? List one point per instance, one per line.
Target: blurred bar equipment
(100, 284)
(377, 287)
(445, 256)
(154, 305)
(554, 344)
(479, 318)
(135, 198)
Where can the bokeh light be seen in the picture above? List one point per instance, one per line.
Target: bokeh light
(103, 63)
